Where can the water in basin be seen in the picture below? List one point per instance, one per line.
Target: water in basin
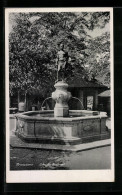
(51, 115)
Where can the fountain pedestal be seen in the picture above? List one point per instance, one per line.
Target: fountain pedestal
(61, 96)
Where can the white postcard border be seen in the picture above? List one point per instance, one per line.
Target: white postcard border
(58, 175)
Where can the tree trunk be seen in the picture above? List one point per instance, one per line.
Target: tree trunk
(10, 101)
(25, 101)
(18, 99)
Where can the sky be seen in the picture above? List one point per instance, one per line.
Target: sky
(99, 31)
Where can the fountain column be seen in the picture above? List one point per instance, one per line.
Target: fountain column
(61, 96)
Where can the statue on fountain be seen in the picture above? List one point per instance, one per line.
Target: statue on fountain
(61, 62)
(61, 95)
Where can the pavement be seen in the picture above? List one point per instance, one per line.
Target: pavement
(33, 159)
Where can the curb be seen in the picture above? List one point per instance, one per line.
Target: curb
(15, 142)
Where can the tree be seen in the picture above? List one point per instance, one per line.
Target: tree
(33, 44)
(98, 59)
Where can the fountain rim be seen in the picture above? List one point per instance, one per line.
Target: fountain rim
(24, 116)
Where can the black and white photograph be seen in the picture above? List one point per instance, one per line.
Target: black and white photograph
(59, 95)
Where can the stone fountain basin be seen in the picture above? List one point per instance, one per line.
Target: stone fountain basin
(81, 126)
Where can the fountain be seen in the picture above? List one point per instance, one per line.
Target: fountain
(61, 125)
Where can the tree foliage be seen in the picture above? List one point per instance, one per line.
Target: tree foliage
(33, 45)
(98, 59)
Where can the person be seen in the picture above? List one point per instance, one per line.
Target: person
(61, 62)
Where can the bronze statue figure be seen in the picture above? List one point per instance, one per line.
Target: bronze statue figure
(61, 62)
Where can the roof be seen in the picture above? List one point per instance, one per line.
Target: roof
(80, 82)
(105, 94)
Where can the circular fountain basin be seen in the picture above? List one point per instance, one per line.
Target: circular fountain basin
(79, 127)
